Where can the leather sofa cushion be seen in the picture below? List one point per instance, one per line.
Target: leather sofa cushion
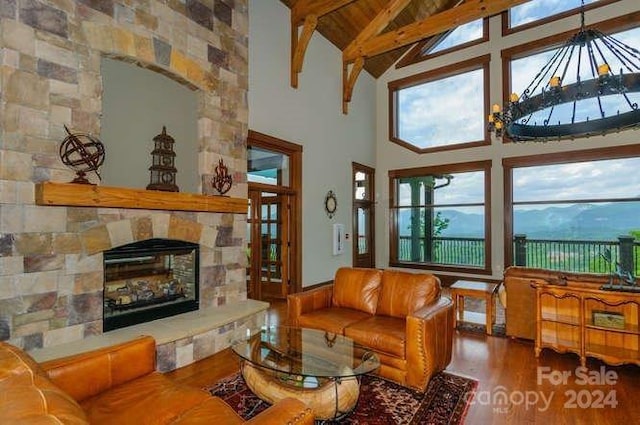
(110, 367)
(28, 397)
(213, 411)
(404, 293)
(130, 403)
(381, 333)
(357, 288)
(332, 319)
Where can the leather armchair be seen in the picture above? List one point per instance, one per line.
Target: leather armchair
(400, 316)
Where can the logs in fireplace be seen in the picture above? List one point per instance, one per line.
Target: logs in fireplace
(149, 280)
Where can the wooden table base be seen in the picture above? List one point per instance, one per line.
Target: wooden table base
(332, 399)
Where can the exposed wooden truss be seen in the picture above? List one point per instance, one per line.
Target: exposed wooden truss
(305, 13)
(371, 40)
(464, 13)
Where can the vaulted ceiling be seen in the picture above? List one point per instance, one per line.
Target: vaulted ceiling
(343, 25)
(373, 34)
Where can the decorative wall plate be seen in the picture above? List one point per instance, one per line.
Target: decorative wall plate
(330, 203)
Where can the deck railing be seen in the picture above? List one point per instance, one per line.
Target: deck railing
(454, 251)
(579, 256)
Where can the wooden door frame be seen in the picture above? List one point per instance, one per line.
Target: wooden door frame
(355, 167)
(294, 152)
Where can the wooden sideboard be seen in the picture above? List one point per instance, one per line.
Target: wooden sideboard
(588, 322)
(521, 294)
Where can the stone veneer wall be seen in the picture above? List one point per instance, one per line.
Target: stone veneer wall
(51, 273)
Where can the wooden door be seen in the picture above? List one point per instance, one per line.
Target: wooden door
(363, 216)
(269, 244)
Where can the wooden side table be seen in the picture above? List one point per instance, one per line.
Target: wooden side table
(474, 289)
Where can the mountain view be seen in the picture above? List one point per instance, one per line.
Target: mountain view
(576, 222)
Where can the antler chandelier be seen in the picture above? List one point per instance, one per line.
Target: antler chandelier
(579, 79)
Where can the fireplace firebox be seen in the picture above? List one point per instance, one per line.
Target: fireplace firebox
(149, 280)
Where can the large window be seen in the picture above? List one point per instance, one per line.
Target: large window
(537, 12)
(461, 37)
(441, 109)
(440, 217)
(568, 210)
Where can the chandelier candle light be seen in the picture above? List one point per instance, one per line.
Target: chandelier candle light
(577, 81)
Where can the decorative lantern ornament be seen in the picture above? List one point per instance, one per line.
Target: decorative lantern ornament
(222, 180)
(163, 170)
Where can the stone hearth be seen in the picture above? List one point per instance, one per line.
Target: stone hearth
(51, 272)
(181, 340)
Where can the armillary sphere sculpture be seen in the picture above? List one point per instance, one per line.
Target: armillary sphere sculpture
(82, 153)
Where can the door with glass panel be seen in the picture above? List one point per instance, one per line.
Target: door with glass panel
(363, 216)
(269, 244)
(273, 217)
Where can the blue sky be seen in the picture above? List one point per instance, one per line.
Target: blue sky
(462, 34)
(538, 9)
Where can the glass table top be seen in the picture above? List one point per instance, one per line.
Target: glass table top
(306, 352)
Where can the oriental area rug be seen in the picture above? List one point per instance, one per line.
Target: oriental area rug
(381, 402)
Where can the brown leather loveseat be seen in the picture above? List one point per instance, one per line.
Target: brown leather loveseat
(115, 385)
(400, 316)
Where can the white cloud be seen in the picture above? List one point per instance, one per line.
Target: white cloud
(465, 188)
(443, 112)
(617, 178)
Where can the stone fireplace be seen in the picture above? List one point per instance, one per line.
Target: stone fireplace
(149, 280)
(51, 253)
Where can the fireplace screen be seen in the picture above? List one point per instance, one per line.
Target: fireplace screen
(149, 280)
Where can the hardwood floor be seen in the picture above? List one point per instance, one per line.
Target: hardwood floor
(514, 387)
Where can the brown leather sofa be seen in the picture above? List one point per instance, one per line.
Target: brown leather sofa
(400, 316)
(520, 313)
(115, 385)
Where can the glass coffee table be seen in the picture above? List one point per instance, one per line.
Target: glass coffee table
(319, 368)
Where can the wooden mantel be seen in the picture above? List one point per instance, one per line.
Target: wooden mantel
(87, 195)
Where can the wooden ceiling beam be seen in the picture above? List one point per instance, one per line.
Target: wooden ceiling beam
(375, 27)
(303, 8)
(467, 12)
(306, 13)
(299, 43)
(349, 78)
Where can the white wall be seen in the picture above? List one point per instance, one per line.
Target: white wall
(311, 116)
(391, 156)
